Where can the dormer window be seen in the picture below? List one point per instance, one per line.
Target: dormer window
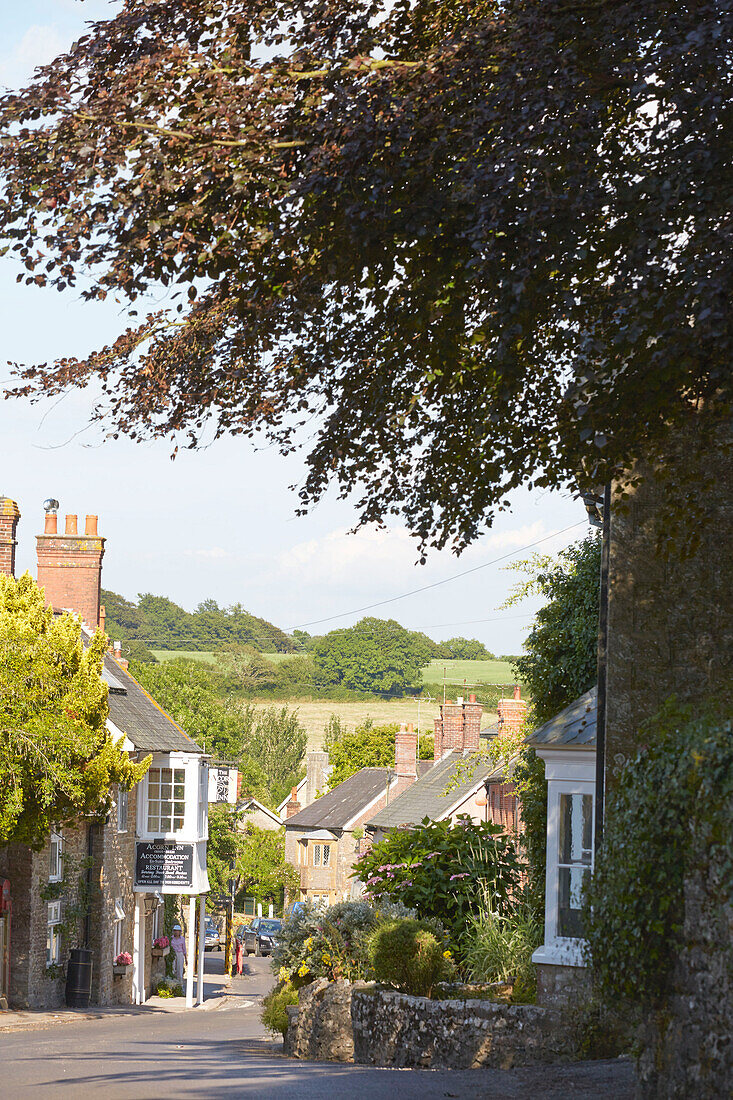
(166, 800)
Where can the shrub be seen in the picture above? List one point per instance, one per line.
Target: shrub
(274, 1007)
(499, 949)
(408, 955)
(325, 943)
(169, 987)
(438, 869)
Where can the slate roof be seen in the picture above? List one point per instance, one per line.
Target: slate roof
(335, 809)
(574, 727)
(138, 716)
(425, 798)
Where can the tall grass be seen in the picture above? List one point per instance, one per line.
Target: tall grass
(499, 948)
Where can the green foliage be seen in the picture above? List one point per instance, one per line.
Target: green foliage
(325, 943)
(375, 655)
(368, 746)
(669, 807)
(333, 731)
(278, 743)
(561, 656)
(162, 624)
(499, 948)
(438, 869)
(466, 649)
(169, 987)
(57, 759)
(245, 669)
(253, 857)
(274, 1004)
(191, 693)
(407, 954)
(531, 789)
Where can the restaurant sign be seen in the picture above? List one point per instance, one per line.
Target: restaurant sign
(163, 863)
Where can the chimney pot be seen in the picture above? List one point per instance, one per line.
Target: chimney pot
(410, 727)
(517, 691)
(71, 525)
(472, 698)
(91, 525)
(51, 524)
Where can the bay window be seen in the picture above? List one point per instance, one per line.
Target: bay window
(166, 800)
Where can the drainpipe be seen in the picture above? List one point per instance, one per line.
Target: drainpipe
(602, 669)
(89, 879)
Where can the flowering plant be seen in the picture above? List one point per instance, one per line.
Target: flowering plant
(162, 941)
(123, 959)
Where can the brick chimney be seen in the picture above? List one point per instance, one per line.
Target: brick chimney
(437, 738)
(512, 712)
(70, 567)
(405, 752)
(459, 726)
(9, 516)
(293, 805)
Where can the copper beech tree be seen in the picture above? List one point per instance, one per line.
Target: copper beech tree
(469, 245)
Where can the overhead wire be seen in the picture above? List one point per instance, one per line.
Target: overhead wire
(446, 580)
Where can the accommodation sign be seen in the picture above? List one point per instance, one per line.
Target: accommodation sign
(163, 864)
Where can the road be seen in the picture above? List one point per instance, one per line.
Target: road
(223, 1052)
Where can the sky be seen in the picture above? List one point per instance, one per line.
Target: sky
(220, 522)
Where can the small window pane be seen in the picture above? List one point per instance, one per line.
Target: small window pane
(317, 855)
(576, 829)
(570, 899)
(326, 854)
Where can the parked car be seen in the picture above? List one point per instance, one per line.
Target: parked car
(249, 935)
(268, 931)
(212, 939)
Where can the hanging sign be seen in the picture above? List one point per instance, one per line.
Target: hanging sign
(222, 784)
(163, 863)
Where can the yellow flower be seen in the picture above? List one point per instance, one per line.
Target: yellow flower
(326, 958)
(283, 974)
(447, 955)
(302, 970)
(309, 943)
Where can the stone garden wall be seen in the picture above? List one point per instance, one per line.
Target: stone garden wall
(336, 1021)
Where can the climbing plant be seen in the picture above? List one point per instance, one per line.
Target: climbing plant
(674, 800)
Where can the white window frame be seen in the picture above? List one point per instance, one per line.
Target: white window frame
(161, 780)
(122, 809)
(118, 927)
(56, 861)
(53, 936)
(565, 950)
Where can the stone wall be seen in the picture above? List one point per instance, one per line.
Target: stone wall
(687, 1050)
(339, 1022)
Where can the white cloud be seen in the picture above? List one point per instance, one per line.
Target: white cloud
(39, 45)
(385, 558)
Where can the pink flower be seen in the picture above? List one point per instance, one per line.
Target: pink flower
(123, 959)
(162, 942)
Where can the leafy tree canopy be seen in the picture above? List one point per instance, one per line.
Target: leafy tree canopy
(162, 624)
(367, 747)
(375, 655)
(278, 743)
(471, 245)
(561, 658)
(57, 759)
(466, 649)
(254, 858)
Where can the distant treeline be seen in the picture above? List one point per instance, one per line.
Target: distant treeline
(158, 623)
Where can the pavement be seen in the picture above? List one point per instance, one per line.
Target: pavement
(224, 1053)
(217, 987)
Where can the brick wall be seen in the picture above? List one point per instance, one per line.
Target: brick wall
(9, 516)
(459, 727)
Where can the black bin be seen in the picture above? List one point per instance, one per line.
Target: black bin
(79, 978)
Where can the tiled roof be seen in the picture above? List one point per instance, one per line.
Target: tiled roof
(335, 809)
(573, 727)
(138, 716)
(425, 798)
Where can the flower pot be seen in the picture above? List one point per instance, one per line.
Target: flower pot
(160, 952)
(119, 970)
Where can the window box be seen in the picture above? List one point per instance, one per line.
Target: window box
(120, 969)
(160, 952)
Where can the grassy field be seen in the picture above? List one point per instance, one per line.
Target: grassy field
(315, 713)
(473, 672)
